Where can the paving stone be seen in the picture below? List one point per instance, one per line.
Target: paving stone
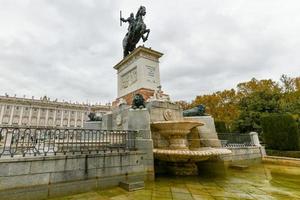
(181, 196)
(179, 190)
(250, 184)
(203, 197)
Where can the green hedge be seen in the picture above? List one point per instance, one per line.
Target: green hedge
(280, 132)
(221, 127)
(292, 154)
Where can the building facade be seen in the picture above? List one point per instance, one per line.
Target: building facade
(16, 111)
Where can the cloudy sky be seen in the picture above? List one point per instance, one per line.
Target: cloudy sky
(66, 49)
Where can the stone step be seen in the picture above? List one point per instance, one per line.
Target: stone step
(132, 186)
(238, 166)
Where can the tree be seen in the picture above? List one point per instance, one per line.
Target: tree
(254, 85)
(256, 97)
(253, 107)
(242, 109)
(183, 104)
(290, 101)
(289, 84)
(221, 105)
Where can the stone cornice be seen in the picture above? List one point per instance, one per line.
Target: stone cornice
(48, 103)
(140, 51)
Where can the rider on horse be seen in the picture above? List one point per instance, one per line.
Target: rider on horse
(136, 31)
(130, 20)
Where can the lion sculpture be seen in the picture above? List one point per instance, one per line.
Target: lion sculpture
(196, 111)
(138, 101)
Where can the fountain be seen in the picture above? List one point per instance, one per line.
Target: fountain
(176, 142)
(176, 132)
(174, 151)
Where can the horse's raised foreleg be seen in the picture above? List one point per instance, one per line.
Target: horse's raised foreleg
(125, 53)
(145, 38)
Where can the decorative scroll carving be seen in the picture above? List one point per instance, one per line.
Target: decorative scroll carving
(168, 115)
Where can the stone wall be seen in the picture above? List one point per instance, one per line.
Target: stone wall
(92, 125)
(240, 156)
(44, 177)
(243, 154)
(206, 134)
(286, 161)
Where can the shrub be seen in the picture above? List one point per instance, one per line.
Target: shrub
(221, 127)
(280, 132)
(292, 154)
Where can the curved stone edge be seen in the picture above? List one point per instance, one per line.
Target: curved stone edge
(188, 155)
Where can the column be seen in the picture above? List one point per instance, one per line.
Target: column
(69, 117)
(1, 113)
(30, 115)
(75, 125)
(62, 118)
(21, 115)
(46, 117)
(11, 115)
(38, 116)
(54, 117)
(82, 118)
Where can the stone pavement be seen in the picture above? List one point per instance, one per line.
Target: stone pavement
(260, 182)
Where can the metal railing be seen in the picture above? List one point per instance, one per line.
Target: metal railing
(235, 140)
(16, 141)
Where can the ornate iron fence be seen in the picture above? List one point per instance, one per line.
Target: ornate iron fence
(235, 140)
(50, 141)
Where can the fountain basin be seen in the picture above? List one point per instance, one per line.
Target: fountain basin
(170, 155)
(175, 131)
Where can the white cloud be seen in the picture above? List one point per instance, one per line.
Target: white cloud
(66, 49)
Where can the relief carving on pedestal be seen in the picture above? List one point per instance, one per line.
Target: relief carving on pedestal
(129, 78)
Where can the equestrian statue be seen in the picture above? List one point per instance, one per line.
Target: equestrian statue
(136, 30)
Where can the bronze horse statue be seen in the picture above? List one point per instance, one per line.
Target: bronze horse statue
(137, 30)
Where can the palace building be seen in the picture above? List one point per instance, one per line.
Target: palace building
(15, 111)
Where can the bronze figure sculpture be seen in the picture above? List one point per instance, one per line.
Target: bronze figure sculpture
(136, 30)
(138, 101)
(196, 111)
(92, 117)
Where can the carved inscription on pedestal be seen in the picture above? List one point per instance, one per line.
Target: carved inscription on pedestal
(129, 78)
(150, 74)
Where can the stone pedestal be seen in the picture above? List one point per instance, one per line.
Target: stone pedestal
(254, 138)
(107, 122)
(138, 73)
(139, 120)
(208, 136)
(94, 125)
(178, 142)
